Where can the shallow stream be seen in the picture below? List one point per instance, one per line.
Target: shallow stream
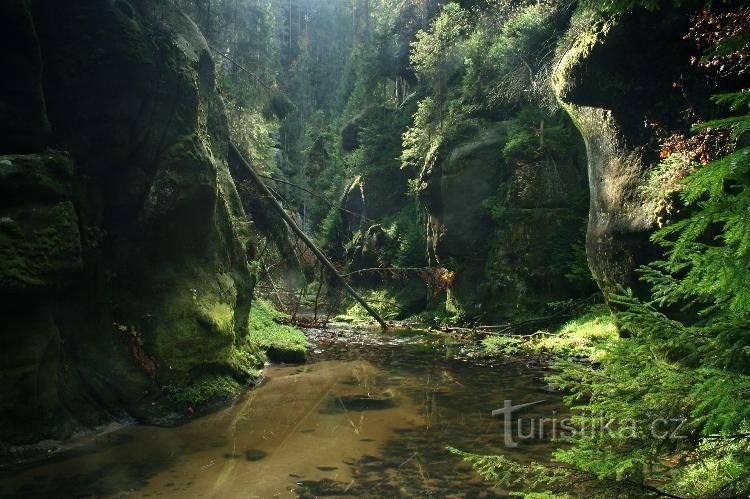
(370, 414)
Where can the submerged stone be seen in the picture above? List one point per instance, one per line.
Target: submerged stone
(255, 454)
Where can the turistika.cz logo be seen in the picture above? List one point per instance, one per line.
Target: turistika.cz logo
(516, 428)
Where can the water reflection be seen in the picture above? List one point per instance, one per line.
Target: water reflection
(369, 415)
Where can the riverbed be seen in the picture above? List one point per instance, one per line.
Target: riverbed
(370, 414)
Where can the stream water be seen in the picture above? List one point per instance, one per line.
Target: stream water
(370, 414)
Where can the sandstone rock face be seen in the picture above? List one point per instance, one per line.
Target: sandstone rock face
(614, 81)
(22, 104)
(504, 228)
(353, 201)
(124, 274)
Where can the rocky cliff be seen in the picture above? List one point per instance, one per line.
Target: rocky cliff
(123, 264)
(505, 222)
(619, 81)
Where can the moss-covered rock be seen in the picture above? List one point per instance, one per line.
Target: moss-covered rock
(47, 177)
(124, 266)
(459, 225)
(39, 244)
(281, 342)
(503, 224)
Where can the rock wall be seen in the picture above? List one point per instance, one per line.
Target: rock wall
(504, 228)
(124, 278)
(615, 80)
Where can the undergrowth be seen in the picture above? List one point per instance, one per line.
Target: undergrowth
(281, 342)
(583, 337)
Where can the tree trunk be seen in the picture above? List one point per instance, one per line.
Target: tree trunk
(308, 242)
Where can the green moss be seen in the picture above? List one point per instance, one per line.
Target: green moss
(246, 358)
(383, 301)
(581, 337)
(562, 77)
(40, 237)
(32, 177)
(196, 382)
(503, 345)
(37, 243)
(188, 148)
(219, 317)
(585, 336)
(207, 389)
(193, 341)
(281, 343)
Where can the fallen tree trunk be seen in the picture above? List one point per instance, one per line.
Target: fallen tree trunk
(390, 269)
(503, 329)
(295, 228)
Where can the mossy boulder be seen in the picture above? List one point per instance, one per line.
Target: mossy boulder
(47, 177)
(125, 272)
(39, 244)
(281, 342)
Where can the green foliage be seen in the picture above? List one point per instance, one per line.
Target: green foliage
(616, 7)
(434, 54)
(332, 232)
(497, 204)
(700, 477)
(421, 140)
(496, 74)
(511, 50)
(252, 134)
(636, 387)
(709, 250)
(483, 62)
(207, 389)
(406, 240)
(523, 142)
(503, 345)
(644, 378)
(281, 342)
(664, 183)
(504, 472)
(694, 370)
(382, 301)
(534, 134)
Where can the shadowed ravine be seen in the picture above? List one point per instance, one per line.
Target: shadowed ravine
(369, 414)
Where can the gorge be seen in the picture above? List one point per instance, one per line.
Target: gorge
(549, 192)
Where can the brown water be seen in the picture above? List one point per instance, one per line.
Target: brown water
(369, 415)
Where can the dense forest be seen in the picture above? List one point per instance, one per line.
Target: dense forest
(191, 188)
